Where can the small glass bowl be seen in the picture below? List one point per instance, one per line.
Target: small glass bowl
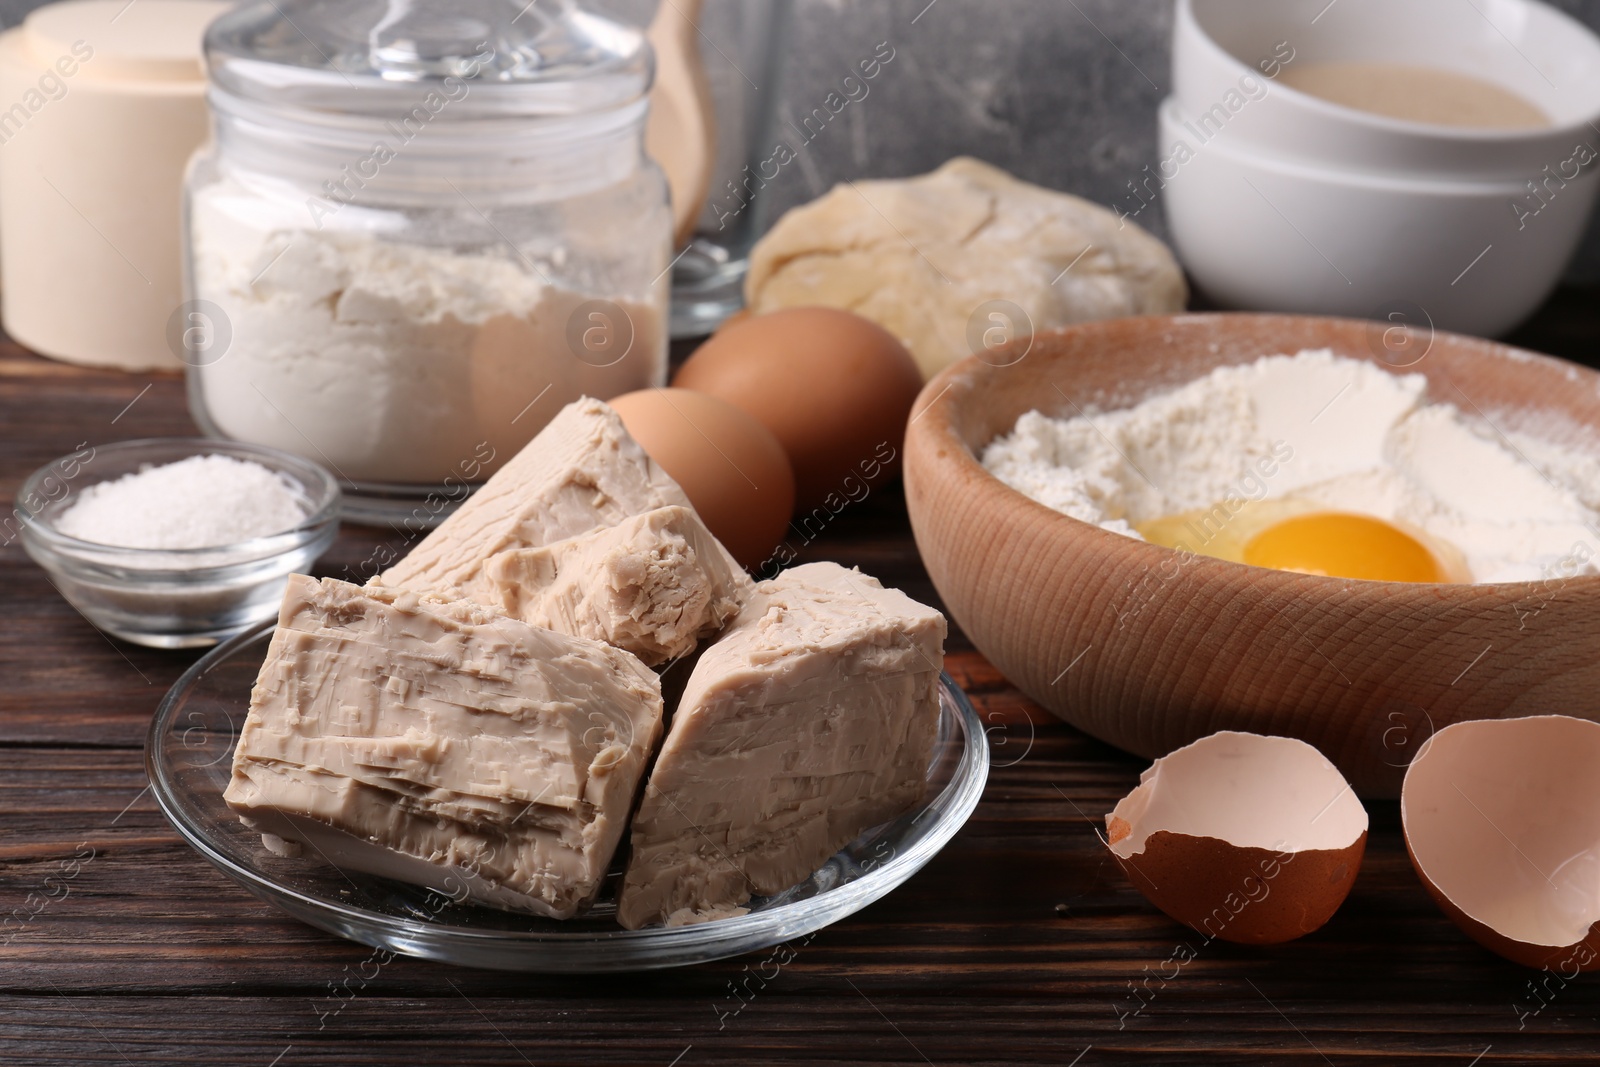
(183, 598)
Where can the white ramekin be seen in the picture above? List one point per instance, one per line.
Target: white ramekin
(1280, 201)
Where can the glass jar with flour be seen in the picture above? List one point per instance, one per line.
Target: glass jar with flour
(418, 231)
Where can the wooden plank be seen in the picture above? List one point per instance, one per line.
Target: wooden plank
(1021, 943)
(853, 1021)
(143, 915)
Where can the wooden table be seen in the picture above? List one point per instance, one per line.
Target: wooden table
(1020, 944)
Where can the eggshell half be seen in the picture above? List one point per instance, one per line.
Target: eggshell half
(1242, 837)
(1502, 821)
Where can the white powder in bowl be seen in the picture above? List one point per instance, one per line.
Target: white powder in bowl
(1338, 433)
(199, 502)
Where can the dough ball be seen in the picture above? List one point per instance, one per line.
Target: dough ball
(923, 256)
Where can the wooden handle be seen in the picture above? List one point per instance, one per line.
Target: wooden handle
(680, 134)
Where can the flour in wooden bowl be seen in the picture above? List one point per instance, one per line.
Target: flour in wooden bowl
(1316, 431)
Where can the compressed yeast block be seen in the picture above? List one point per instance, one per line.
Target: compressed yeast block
(439, 743)
(810, 720)
(653, 584)
(581, 473)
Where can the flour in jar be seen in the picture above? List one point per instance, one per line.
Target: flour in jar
(392, 361)
(1334, 433)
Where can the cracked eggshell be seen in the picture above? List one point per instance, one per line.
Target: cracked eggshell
(1242, 837)
(1502, 821)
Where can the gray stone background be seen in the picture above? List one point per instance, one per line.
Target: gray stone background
(1060, 92)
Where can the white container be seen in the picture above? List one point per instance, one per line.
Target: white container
(1281, 201)
(101, 105)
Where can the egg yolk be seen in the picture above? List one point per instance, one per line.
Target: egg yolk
(1341, 545)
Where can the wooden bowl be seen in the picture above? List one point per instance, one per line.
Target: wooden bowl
(1149, 649)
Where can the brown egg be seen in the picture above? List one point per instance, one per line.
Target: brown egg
(734, 471)
(1242, 837)
(1502, 821)
(834, 389)
(732, 320)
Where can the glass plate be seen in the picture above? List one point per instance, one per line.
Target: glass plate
(189, 756)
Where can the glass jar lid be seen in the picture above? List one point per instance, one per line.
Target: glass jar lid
(524, 58)
(529, 100)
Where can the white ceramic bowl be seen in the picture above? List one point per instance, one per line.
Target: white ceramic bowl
(1281, 201)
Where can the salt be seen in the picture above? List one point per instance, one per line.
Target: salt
(199, 502)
